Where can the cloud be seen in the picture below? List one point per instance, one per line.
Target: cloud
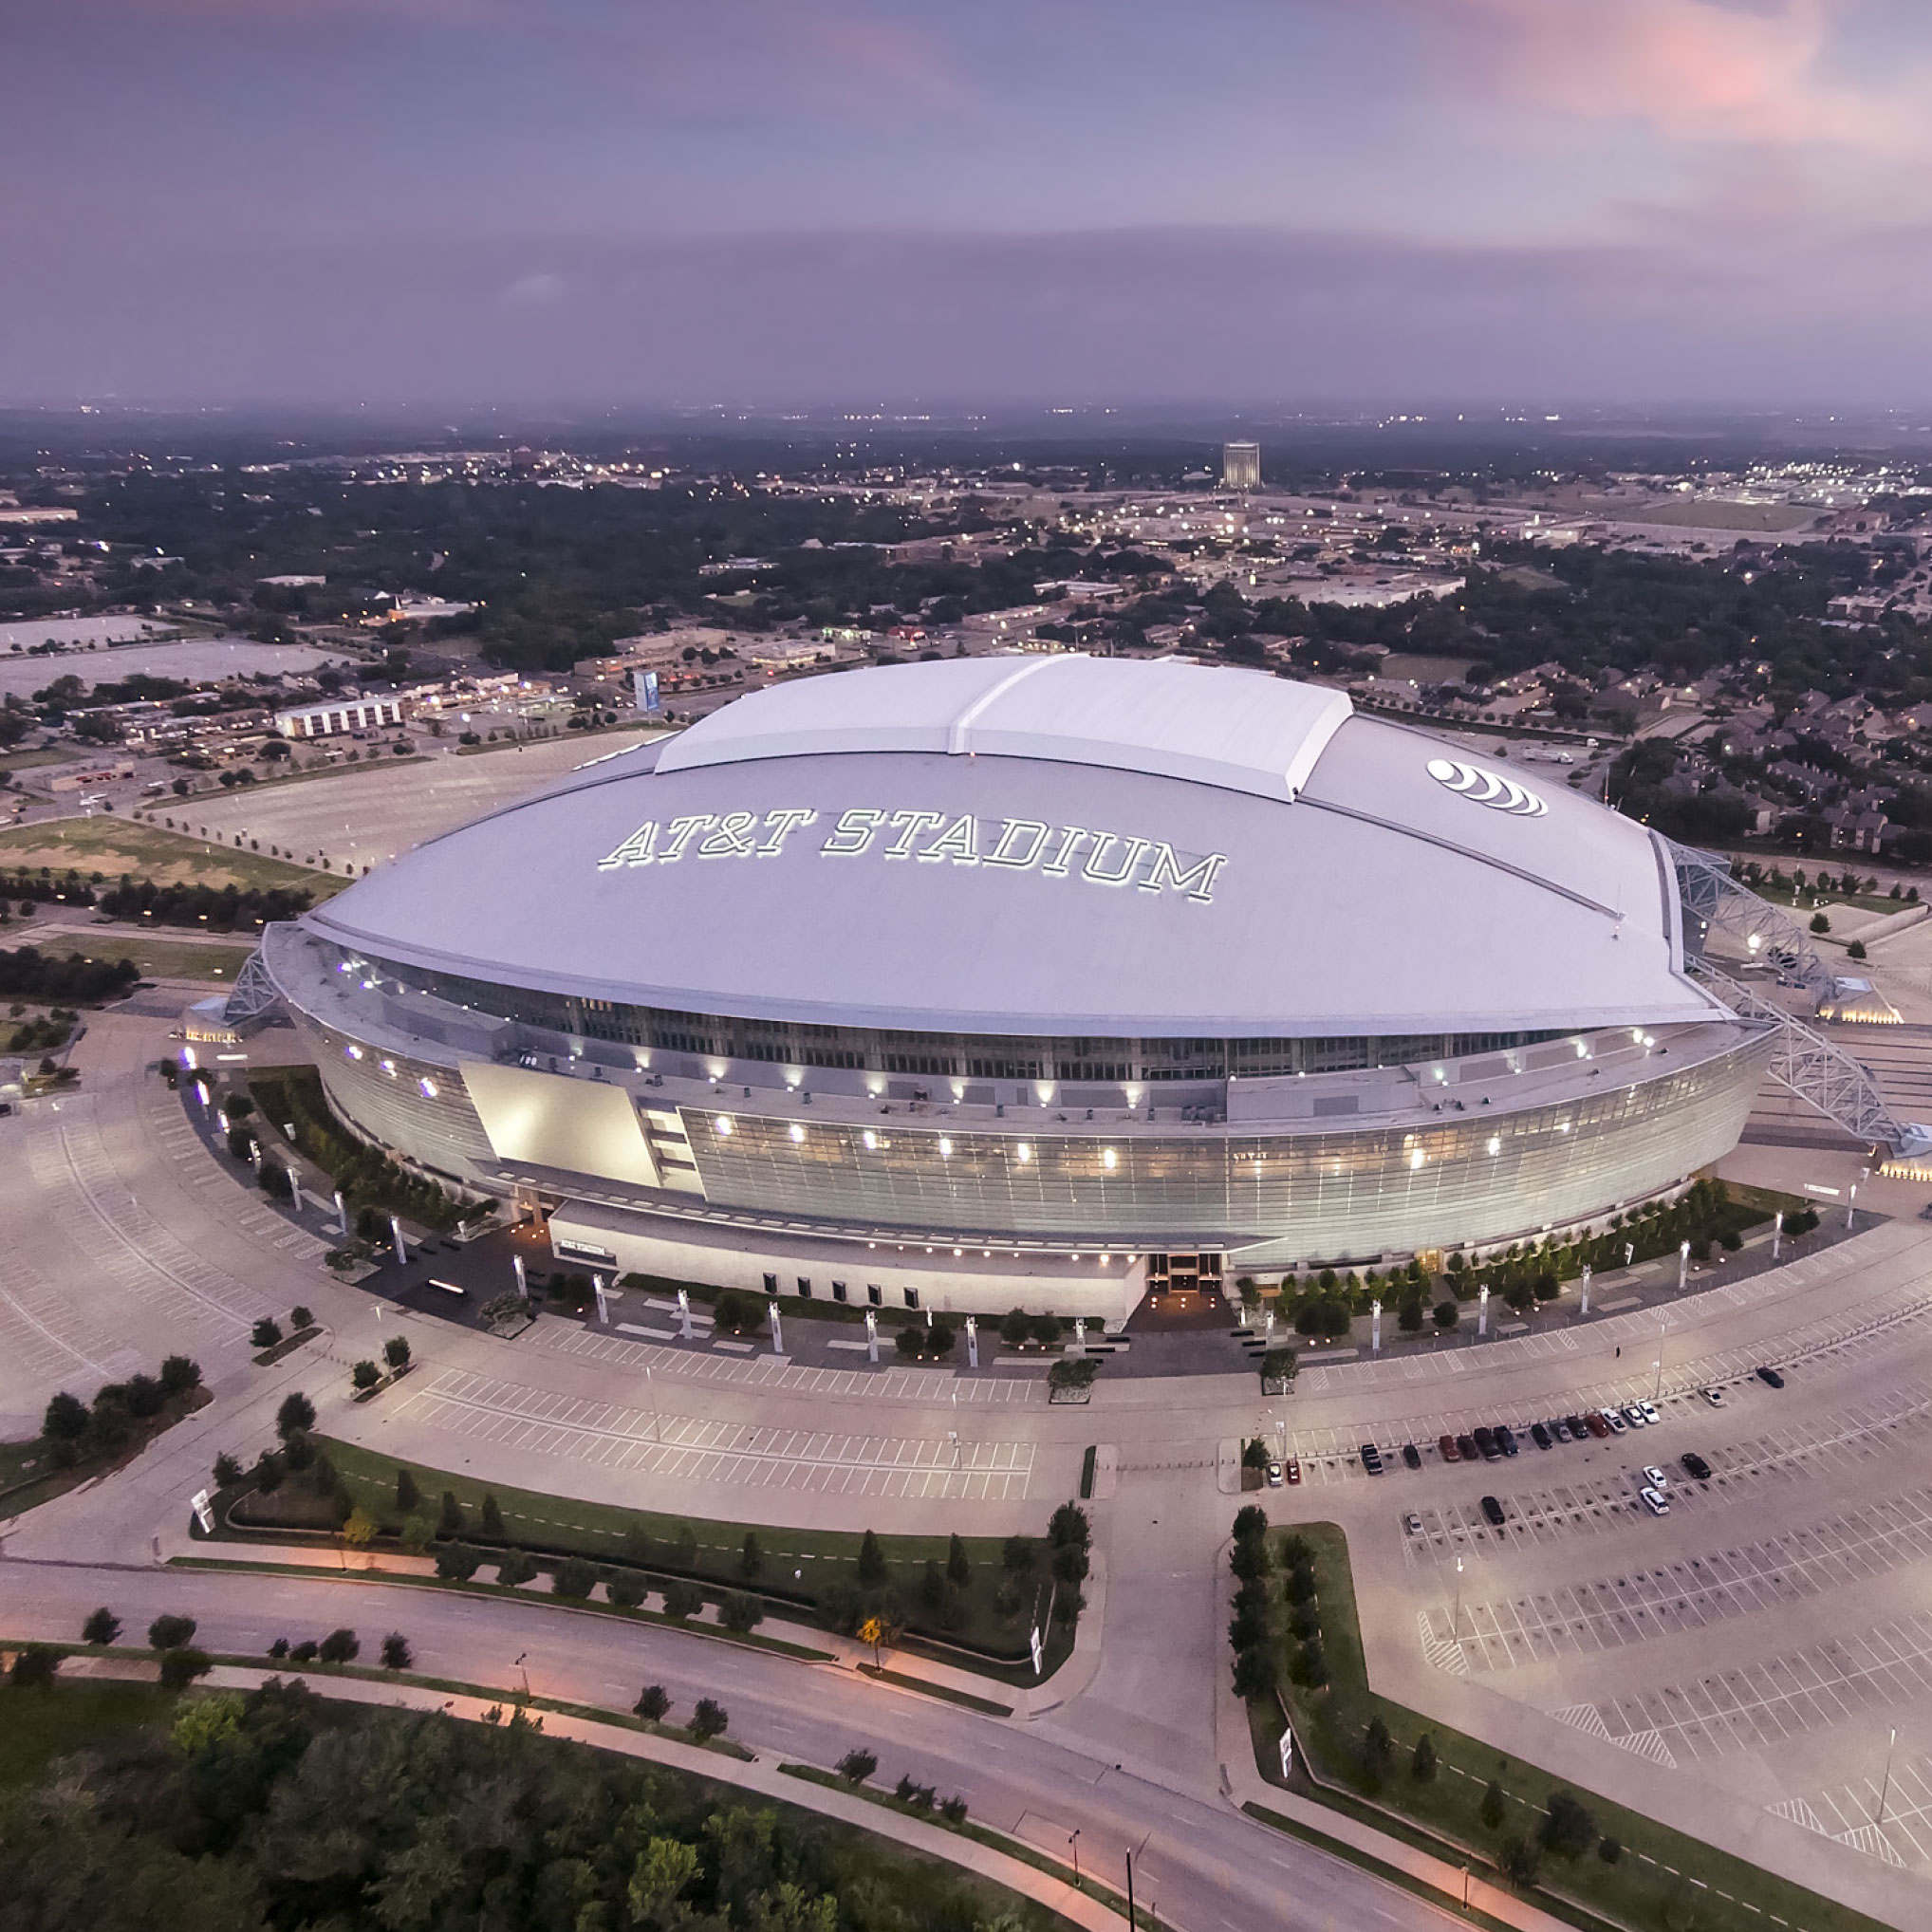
(533, 291)
(1695, 71)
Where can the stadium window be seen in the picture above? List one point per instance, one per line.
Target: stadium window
(804, 1286)
(838, 1291)
(912, 1297)
(772, 1284)
(875, 1294)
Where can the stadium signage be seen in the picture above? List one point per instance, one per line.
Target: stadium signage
(929, 837)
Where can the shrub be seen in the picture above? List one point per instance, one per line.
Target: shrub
(1856, 949)
(179, 1668)
(573, 1579)
(1422, 1765)
(1520, 1859)
(1015, 1326)
(279, 1648)
(408, 1497)
(171, 1632)
(1568, 1830)
(227, 1471)
(456, 1562)
(1045, 1329)
(103, 1626)
(304, 1651)
(653, 1702)
(297, 1414)
(1018, 1555)
(1608, 1849)
(268, 1472)
(1309, 1666)
(179, 1374)
(1447, 1314)
(682, 1600)
(1280, 1365)
(338, 1646)
(910, 1342)
(740, 1612)
(366, 1375)
(953, 1809)
(626, 1589)
(492, 1517)
(751, 1558)
(35, 1666)
(1493, 1801)
(709, 1719)
(857, 1766)
(958, 1564)
(302, 1317)
(514, 1568)
(872, 1561)
(449, 1515)
(395, 1352)
(396, 1652)
(740, 1314)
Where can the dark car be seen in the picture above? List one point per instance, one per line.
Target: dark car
(1596, 1424)
(1579, 1429)
(1771, 1378)
(1506, 1439)
(1494, 1511)
(1446, 1449)
(1371, 1459)
(1559, 1427)
(1694, 1465)
(1467, 1445)
(1539, 1434)
(1412, 1456)
(1487, 1446)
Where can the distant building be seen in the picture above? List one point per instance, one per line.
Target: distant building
(1241, 466)
(327, 717)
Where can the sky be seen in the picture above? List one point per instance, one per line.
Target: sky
(775, 203)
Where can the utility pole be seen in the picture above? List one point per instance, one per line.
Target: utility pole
(1884, 1789)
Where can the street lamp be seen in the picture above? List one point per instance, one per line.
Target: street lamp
(1456, 1621)
(1075, 1841)
(520, 1656)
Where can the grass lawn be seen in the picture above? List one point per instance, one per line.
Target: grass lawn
(37, 1726)
(111, 845)
(801, 1566)
(1659, 1873)
(48, 754)
(158, 958)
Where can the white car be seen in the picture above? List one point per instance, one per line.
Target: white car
(1413, 1524)
(1615, 1419)
(1654, 1501)
(1714, 1396)
(1655, 1476)
(1650, 1414)
(1633, 1413)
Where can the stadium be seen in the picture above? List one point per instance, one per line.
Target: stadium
(1034, 980)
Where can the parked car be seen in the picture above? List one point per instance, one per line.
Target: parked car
(1654, 1501)
(1274, 1474)
(1655, 1476)
(1413, 1524)
(1412, 1456)
(1486, 1444)
(1579, 1428)
(1539, 1434)
(1771, 1378)
(1559, 1428)
(1650, 1414)
(1714, 1396)
(1371, 1459)
(1494, 1511)
(1469, 1452)
(1446, 1449)
(1293, 1469)
(1694, 1465)
(1597, 1423)
(1506, 1439)
(1633, 1413)
(1614, 1418)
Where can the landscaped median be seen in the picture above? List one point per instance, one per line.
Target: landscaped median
(970, 1602)
(1298, 1658)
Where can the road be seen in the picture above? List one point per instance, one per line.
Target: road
(1200, 1863)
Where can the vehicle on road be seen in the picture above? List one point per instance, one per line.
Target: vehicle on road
(1494, 1511)
(1506, 1439)
(1539, 1434)
(1274, 1474)
(1771, 1378)
(1371, 1459)
(1446, 1449)
(1293, 1469)
(1655, 1476)
(1694, 1465)
(1654, 1500)
(1413, 1524)
(1412, 1456)
(1714, 1396)
(1650, 1415)
(1595, 1423)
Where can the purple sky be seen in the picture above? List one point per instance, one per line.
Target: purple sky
(777, 201)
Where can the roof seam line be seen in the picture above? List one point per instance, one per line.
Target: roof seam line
(957, 734)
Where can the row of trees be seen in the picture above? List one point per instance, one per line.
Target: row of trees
(26, 973)
(75, 1431)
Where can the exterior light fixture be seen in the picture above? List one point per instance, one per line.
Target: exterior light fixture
(721, 1128)
(871, 1141)
(428, 1086)
(945, 1148)
(797, 1131)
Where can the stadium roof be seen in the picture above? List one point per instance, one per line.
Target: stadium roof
(1066, 846)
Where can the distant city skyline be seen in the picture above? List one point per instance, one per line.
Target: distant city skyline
(1719, 202)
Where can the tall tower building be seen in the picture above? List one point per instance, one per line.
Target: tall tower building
(1241, 466)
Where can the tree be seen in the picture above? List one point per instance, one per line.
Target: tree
(958, 1566)
(396, 1353)
(1253, 1673)
(338, 1646)
(366, 1375)
(1017, 1555)
(709, 1719)
(1251, 1523)
(1820, 923)
(871, 1562)
(1071, 1563)
(653, 1702)
(449, 1515)
(751, 1558)
(1255, 1454)
(170, 1632)
(181, 1667)
(573, 1579)
(265, 1333)
(302, 1317)
(1447, 1314)
(682, 1600)
(456, 1562)
(296, 1415)
(1069, 1525)
(857, 1766)
(1422, 1765)
(1569, 1829)
(1015, 1326)
(179, 1374)
(103, 1626)
(66, 1419)
(1046, 1330)
(1493, 1801)
(1520, 1859)
(492, 1517)
(408, 1497)
(626, 1589)
(740, 1612)
(396, 1651)
(515, 1568)
(227, 1471)
(360, 1529)
(1280, 1366)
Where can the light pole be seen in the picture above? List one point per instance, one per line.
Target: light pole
(520, 1656)
(1075, 1841)
(1777, 1232)
(1884, 1789)
(1456, 1621)
(1683, 1265)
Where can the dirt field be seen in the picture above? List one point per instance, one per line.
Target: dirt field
(111, 846)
